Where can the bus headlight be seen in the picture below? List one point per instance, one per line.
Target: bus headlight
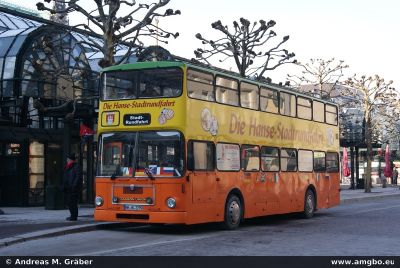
(171, 202)
(98, 201)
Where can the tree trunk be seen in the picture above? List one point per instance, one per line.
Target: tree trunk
(368, 141)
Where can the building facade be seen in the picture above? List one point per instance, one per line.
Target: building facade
(48, 89)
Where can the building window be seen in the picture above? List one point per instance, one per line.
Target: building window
(36, 173)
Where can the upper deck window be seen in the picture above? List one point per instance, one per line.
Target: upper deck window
(269, 100)
(318, 111)
(227, 91)
(331, 114)
(288, 104)
(304, 109)
(145, 83)
(200, 85)
(249, 96)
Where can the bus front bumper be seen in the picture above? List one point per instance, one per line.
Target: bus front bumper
(142, 217)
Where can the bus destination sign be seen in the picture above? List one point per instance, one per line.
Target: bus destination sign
(137, 119)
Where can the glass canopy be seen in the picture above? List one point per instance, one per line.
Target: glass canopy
(45, 61)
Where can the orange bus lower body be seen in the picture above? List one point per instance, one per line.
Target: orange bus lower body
(140, 217)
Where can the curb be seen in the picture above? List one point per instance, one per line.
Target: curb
(57, 232)
(361, 198)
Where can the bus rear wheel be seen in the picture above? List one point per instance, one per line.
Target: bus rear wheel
(309, 204)
(233, 213)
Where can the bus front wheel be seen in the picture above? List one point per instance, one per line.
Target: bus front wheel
(309, 204)
(233, 213)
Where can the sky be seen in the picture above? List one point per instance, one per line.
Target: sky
(362, 33)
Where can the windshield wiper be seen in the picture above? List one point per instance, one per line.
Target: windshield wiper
(148, 173)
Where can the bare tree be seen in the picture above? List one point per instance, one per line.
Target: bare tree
(246, 44)
(378, 100)
(319, 76)
(130, 28)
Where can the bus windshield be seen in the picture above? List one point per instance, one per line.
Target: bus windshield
(141, 84)
(141, 154)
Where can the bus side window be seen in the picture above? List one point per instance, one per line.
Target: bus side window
(318, 111)
(305, 160)
(201, 156)
(304, 109)
(332, 162)
(288, 104)
(319, 161)
(227, 91)
(269, 100)
(249, 96)
(200, 85)
(331, 114)
(250, 158)
(269, 159)
(288, 160)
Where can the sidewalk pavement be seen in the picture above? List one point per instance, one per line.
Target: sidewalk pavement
(20, 224)
(348, 196)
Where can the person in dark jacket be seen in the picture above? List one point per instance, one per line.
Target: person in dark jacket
(72, 182)
(395, 175)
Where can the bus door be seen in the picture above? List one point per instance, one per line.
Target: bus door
(201, 166)
(253, 178)
(204, 186)
(270, 168)
(322, 179)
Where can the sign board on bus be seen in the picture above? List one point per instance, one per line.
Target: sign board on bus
(137, 119)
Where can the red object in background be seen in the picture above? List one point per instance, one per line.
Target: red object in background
(388, 167)
(380, 151)
(85, 130)
(345, 166)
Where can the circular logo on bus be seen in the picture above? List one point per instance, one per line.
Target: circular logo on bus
(206, 119)
(209, 122)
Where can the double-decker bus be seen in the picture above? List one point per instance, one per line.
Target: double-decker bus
(185, 144)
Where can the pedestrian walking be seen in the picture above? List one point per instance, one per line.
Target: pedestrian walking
(395, 175)
(72, 182)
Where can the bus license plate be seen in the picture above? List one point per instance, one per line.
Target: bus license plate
(133, 207)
